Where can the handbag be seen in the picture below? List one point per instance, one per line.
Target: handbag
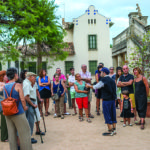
(9, 105)
(55, 97)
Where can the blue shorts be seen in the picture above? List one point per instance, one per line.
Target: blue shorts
(109, 111)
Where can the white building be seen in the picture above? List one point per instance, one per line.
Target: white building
(89, 43)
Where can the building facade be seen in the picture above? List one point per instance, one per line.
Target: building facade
(89, 43)
(125, 42)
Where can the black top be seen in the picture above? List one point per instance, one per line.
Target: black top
(126, 79)
(109, 89)
(126, 104)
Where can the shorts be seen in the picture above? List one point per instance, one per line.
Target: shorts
(109, 111)
(72, 93)
(132, 97)
(45, 93)
(90, 96)
(82, 102)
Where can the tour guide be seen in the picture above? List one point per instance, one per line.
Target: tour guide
(108, 89)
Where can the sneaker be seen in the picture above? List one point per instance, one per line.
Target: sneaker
(124, 125)
(38, 133)
(114, 132)
(55, 116)
(33, 141)
(108, 133)
(62, 116)
(130, 124)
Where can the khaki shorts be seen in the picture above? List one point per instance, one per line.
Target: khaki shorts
(133, 99)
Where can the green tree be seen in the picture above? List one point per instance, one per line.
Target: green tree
(34, 22)
(140, 56)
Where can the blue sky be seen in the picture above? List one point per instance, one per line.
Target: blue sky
(117, 10)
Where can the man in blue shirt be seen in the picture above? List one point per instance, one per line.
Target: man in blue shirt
(100, 64)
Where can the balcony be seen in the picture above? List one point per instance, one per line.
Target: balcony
(121, 45)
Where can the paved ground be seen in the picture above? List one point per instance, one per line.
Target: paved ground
(70, 134)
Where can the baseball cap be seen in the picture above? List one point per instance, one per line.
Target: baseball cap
(106, 70)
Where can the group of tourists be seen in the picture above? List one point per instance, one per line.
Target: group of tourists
(32, 92)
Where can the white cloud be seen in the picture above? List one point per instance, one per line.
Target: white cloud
(121, 22)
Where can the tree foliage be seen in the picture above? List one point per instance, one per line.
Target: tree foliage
(34, 22)
(140, 56)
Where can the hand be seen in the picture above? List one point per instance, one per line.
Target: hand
(85, 92)
(132, 111)
(62, 94)
(25, 108)
(87, 86)
(41, 100)
(52, 94)
(35, 106)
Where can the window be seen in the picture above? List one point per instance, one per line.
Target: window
(91, 21)
(9, 63)
(0, 66)
(44, 66)
(68, 65)
(92, 66)
(88, 21)
(94, 21)
(92, 41)
(32, 67)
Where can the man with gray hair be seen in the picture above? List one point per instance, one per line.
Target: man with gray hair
(30, 92)
(86, 76)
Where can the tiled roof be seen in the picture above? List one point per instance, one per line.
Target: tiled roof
(32, 49)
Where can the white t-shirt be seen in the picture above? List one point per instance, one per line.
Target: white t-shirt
(29, 90)
(72, 80)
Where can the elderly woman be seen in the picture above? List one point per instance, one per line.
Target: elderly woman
(4, 131)
(141, 94)
(81, 97)
(18, 122)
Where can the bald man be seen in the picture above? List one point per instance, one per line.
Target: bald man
(126, 83)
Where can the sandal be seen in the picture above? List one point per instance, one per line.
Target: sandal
(46, 114)
(88, 120)
(74, 114)
(142, 126)
(91, 116)
(98, 113)
(81, 119)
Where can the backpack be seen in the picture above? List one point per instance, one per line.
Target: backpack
(9, 105)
